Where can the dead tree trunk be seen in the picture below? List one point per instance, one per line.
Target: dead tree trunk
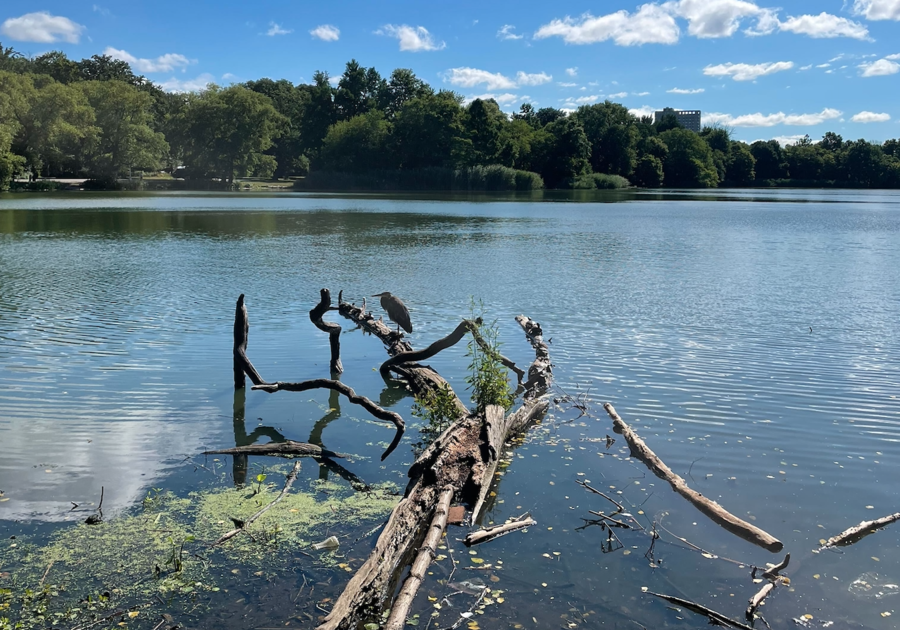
(333, 330)
(463, 459)
(242, 364)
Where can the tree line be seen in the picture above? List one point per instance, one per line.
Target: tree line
(95, 118)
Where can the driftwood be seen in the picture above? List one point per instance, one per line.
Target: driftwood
(490, 533)
(287, 486)
(352, 396)
(242, 364)
(463, 458)
(857, 532)
(713, 616)
(420, 379)
(710, 508)
(288, 448)
(404, 600)
(333, 330)
(774, 578)
(441, 344)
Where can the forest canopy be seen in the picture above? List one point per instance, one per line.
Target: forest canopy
(96, 119)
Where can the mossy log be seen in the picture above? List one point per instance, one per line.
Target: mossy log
(463, 458)
(710, 508)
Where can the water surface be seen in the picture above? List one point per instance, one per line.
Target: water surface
(750, 336)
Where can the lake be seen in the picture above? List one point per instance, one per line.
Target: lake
(752, 338)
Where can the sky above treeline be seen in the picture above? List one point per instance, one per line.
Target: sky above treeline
(765, 70)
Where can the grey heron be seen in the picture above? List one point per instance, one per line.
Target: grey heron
(396, 310)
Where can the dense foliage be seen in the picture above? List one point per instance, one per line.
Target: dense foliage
(95, 118)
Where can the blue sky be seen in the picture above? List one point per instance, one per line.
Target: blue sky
(767, 71)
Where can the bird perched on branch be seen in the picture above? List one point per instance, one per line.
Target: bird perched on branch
(396, 310)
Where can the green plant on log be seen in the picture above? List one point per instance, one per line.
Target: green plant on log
(438, 411)
(488, 378)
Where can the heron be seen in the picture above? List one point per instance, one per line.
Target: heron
(396, 310)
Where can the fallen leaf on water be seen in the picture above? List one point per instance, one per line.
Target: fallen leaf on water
(133, 614)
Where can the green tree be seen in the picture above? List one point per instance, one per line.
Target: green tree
(56, 65)
(125, 139)
(484, 122)
(291, 103)
(357, 90)
(229, 130)
(770, 162)
(804, 161)
(740, 166)
(649, 172)
(689, 162)
(863, 163)
(429, 131)
(319, 113)
(357, 145)
(402, 87)
(610, 129)
(562, 152)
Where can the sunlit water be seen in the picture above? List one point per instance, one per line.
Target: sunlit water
(753, 339)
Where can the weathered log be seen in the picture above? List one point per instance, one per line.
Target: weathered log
(242, 364)
(352, 396)
(713, 616)
(426, 353)
(333, 330)
(464, 457)
(426, 554)
(857, 532)
(710, 508)
(287, 486)
(282, 449)
(490, 533)
(774, 578)
(420, 379)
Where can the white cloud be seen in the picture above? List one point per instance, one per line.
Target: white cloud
(745, 71)
(683, 91)
(567, 85)
(720, 18)
(43, 28)
(583, 100)
(650, 24)
(101, 10)
(870, 117)
(275, 29)
(641, 112)
(805, 67)
(470, 77)
(641, 94)
(786, 140)
(896, 56)
(572, 72)
(326, 32)
(618, 95)
(412, 38)
(880, 68)
(878, 9)
(506, 32)
(502, 99)
(538, 78)
(824, 65)
(188, 85)
(770, 120)
(163, 63)
(825, 25)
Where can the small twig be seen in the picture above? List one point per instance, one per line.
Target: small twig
(855, 533)
(44, 577)
(471, 608)
(713, 616)
(612, 522)
(583, 484)
(243, 528)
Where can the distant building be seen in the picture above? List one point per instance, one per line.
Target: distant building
(687, 118)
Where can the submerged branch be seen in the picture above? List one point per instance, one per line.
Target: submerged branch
(857, 532)
(288, 448)
(713, 510)
(352, 396)
(713, 616)
(287, 486)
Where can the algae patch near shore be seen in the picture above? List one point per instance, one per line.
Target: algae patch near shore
(160, 551)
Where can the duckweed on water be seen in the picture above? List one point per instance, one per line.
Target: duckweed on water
(161, 551)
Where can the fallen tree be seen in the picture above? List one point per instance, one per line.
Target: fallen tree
(460, 463)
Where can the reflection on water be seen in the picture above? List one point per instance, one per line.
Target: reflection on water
(750, 337)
